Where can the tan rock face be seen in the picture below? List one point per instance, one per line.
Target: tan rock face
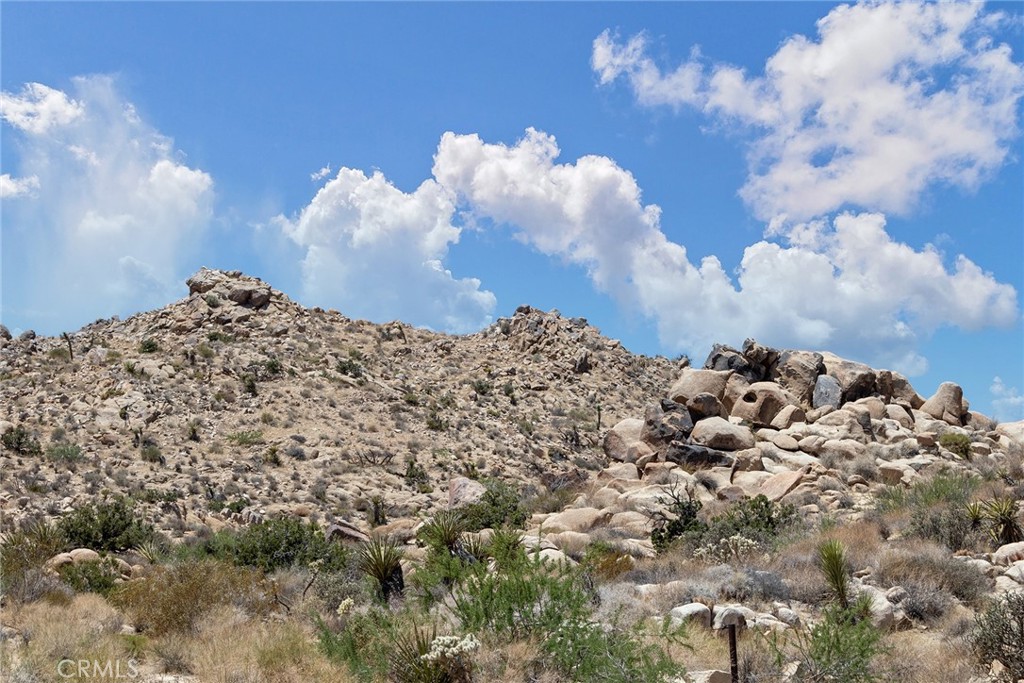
(693, 382)
(762, 402)
(717, 433)
(946, 404)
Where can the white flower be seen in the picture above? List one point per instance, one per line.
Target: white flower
(345, 607)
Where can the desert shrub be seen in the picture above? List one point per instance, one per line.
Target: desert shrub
(64, 452)
(757, 519)
(148, 345)
(998, 633)
(287, 542)
(841, 647)
(676, 519)
(930, 567)
(98, 576)
(553, 604)
(173, 599)
(109, 525)
(249, 437)
(20, 440)
(24, 549)
(350, 367)
(151, 453)
(948, 525)
(500, 505)
(960, 444)
(942, 489)
(604, 562)
(364, 641)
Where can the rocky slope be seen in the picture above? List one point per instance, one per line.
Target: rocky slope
(236, 403)
(238, 395)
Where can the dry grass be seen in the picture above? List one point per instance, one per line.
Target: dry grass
(228, 648)
(86, 628)
(925, 657)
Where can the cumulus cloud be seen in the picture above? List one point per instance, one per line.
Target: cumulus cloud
(1007, 402)
(845, 285)
(376, 252)
(887, 100)
(38, 108)
(107, 210)
(321, 174)
(11, 188)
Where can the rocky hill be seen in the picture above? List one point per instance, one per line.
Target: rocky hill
(238, 395)
(236, 405)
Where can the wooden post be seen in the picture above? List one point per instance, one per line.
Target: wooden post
(734, 667)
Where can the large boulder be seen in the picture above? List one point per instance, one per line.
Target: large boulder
(664, 423)
(717, 433)
(692, 457)
(761, 402)
(797, 372)
(463, 491)
(893, 386)
(622, 441)
(946, 404)
(693, 382)
(827, 392)
(856, 380)
(726, 358)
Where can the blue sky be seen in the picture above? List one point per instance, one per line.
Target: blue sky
(838, 177)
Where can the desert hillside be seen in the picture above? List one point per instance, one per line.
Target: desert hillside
(681, 498)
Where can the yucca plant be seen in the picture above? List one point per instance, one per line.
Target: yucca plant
(408, 661)
(975, 514)
(834, 566)
(444, 531)
(381, 559)
(1001, 514)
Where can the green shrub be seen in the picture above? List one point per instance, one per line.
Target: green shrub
(500, 505)
(173, 599)
(841, 647)
(677, 519)
(98, 576)
(364, 643)
(64, 452)
(148, 345)
(350, 367)
(151, 453)
(20, 440)
(944, 489)
(998, 633)
(960, 444)
(287, 542)
(757, 518)
(553, 605)
(246, 438)
(105, 526)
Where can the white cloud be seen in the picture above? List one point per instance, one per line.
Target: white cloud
(888, 100)
(38, 108)
(113, 213)
(321, 174)
(1007, 402)
(845, 286)
(376, 252)
(11, 188)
